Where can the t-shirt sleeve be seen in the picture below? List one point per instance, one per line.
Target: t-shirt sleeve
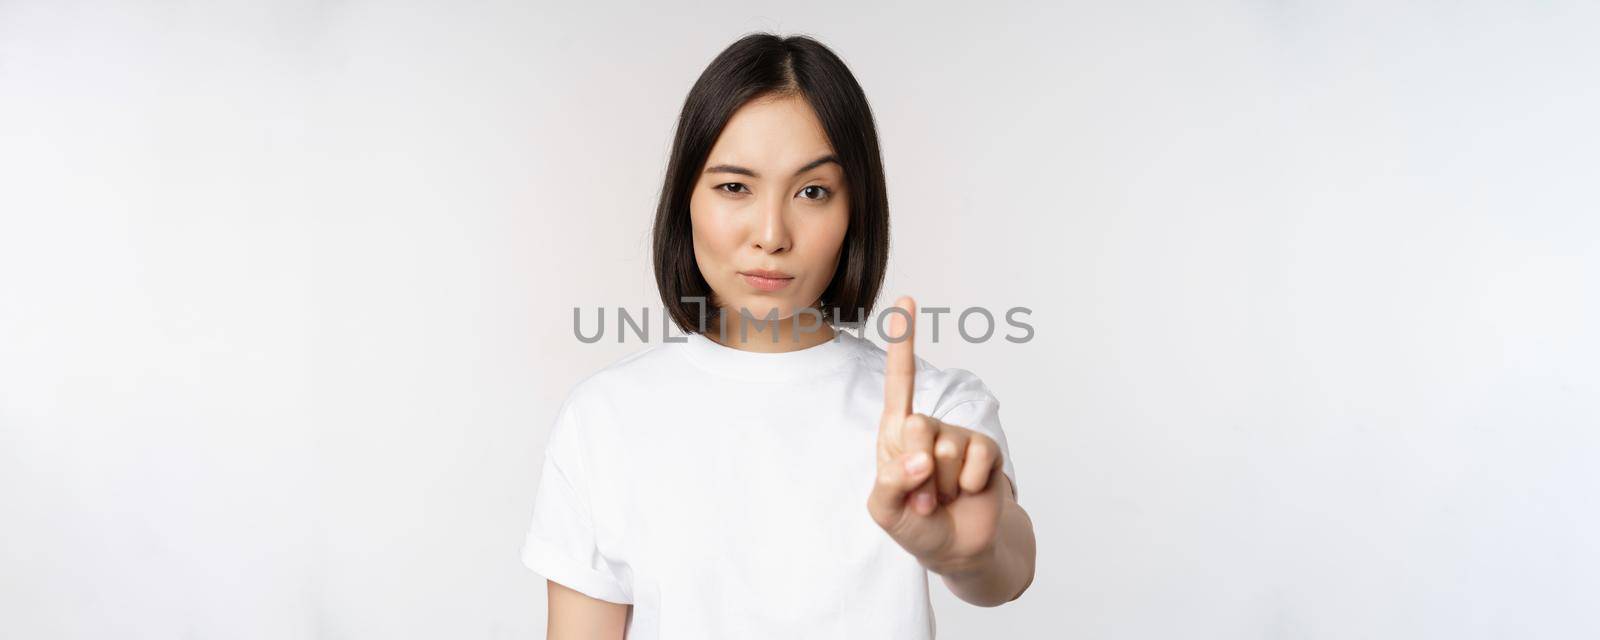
(561, 543)
(982, 414)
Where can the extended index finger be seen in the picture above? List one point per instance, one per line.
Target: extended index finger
(900, 371)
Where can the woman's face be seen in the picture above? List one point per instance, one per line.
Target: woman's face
(770, 201)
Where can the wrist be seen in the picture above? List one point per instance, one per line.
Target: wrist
(964, 565)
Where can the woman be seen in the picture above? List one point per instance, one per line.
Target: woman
(714, 487)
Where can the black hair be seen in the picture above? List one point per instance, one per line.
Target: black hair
(761, 65)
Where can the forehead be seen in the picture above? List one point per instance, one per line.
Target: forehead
(771, 134)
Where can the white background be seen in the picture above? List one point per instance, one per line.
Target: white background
(286, 301)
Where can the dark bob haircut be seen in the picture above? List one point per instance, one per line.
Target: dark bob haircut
(762, 65)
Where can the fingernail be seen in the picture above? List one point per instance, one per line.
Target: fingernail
(918, 463)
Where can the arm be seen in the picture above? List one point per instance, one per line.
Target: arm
(942, 492)
(1006, 571)
(575, 616)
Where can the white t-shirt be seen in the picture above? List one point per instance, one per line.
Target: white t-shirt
(723, 492)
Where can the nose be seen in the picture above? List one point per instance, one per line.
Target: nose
(771, 233)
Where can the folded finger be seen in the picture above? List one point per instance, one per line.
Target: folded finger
(916, 436)
(949, 452)
(982, 457)
(896, 478)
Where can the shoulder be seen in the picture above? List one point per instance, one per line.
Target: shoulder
(937, 389)
(623, 377)
(583, 419)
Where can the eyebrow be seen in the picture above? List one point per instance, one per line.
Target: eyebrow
(728, 168)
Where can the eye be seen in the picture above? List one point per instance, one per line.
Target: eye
(823, 195)
(735, 185)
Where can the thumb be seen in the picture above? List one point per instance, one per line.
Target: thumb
(896, 478)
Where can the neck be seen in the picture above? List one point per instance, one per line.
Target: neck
(758, 333)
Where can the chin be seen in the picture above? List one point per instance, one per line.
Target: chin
(760, 307)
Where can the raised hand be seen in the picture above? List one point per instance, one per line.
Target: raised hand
(939, 486)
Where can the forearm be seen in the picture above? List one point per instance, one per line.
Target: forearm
(574, 615)
(1006, 571)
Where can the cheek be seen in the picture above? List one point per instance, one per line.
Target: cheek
(712, 228)
(824, 240)
(830, 229)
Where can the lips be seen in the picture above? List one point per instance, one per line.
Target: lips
(764, 273)
(766, 280)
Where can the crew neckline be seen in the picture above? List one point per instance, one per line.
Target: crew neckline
(771, 366)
